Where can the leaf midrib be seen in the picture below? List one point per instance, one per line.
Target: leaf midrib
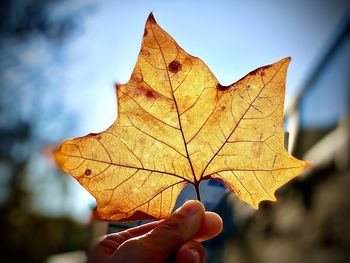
(195, 182)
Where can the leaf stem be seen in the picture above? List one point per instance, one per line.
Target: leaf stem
(197, 192)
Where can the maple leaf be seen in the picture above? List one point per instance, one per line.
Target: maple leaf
(178, 125)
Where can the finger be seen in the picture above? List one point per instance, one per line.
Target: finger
(174, 231)
(143, 229)
(191, 252)
(167, 237)
(122, 236)
(102, 251)
(108, 245)
(211, 226)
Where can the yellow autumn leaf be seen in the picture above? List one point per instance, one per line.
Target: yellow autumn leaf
(177, 125)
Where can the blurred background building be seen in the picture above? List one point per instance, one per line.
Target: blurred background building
(59, 61)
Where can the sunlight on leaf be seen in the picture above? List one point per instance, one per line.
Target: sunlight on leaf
(178, 125)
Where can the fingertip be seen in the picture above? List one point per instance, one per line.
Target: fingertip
(175, 230)
(191, 252)
(215, 220)
(212, 226)
(191, 207)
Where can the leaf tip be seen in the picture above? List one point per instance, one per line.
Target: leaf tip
(306, 165)
(287, 60)
(57, 155)
(151, 19)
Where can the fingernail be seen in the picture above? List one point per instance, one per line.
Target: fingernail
(195, 256)
(190, 208)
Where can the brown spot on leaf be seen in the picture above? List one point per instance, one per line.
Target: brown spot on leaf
(175, 66)
(221, 87)
(137, 77)
(147, 92)
(145, 52)
(95, 135)
(262, 74)
(145, 33)
(88, 172)
(150, 94)
(223, 107)
(256, 71)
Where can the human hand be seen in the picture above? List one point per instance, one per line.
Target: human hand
(177, 237)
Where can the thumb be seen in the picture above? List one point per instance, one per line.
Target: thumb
(168, 236)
